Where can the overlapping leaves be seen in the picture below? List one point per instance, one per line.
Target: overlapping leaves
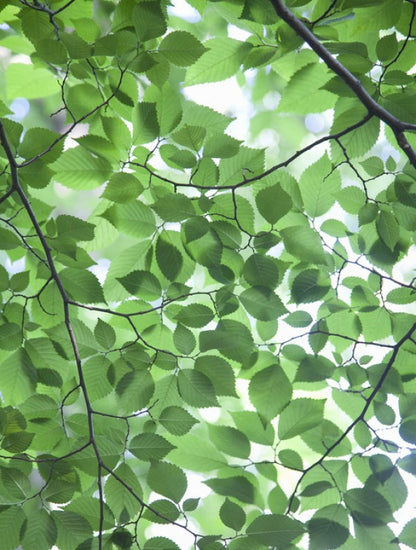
(177, 308)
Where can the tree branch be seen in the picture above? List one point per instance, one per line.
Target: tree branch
(398, 126)
(361, 416)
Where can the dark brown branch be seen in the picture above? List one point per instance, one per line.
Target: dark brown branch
(74, 124)
(65, 299)
(283, 164)
(398, 126)
(9, 192)
(361, 416)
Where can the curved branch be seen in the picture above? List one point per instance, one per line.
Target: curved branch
(362, 414)
(247, 181)
(398, 126)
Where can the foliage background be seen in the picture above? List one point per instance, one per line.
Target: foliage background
(187, 313)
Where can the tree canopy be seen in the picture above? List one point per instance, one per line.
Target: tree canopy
(207, 337)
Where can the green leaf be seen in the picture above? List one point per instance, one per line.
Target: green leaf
(77, 169)
(303, 243)
(190, 136)
(168, 257)
(167, 480)
(300, 416)
(135, 390)
(122, 187)
(221, 146)
(142, 284)
(291, 459)
(231, 338)
(39, 530)
(265, 397)
(42, 82)
(401, 296)
(319, 186)
(368, 507)
(407, 430)
(388, 229)
(148, 20)
(309, 286)
(82, 285)
(70, 227)
(298, 318)
(408, 463)
(145, 121)
(408, 534)
(160, 543)
(222, 60)
(190, 504)
(367, 213)
(238, 487)
(96, 377)
(230, 441)
(304, 93)
(135, 219)
(328, 528)
(18, 442)
(174, 208)
(161, 511)
(168, 106)
(122, 538)
(184, 339)
(351, 199)
(219, 371)
(121, 501)
(314, 368)
(8, 239)
(247, 163)
(250, 423)
(196, 389)
(262, 303)
(10, 336)
(275, 530)
(18, 377)
(197, 454)
(232, 515)
(104, 334)
(195, 315)
(177, 420)
(261, 270)
(71, 528)
(181, 48)
(148, 446)
(273, 203)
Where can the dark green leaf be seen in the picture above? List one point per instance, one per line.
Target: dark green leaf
(82, 285)
(232, 515)
(196, 389)
(230, 441)
(300, 416)
(167, 480)
(270, 391)
(148, 446)
(275, 530)
(177, 420)
(238, 487)
(142, 284)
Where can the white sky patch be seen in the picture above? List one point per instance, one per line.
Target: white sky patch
(212, 414)
(20, 108)
(228, 98)
(237, 33)
(315, 123)
(183, 10)
(100, 269)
